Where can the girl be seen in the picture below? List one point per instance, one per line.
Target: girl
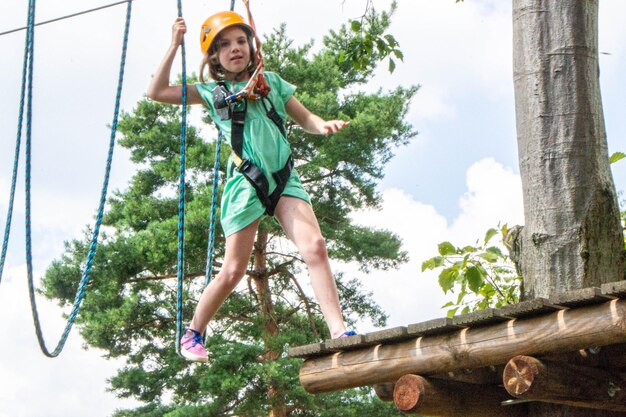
(263, 159)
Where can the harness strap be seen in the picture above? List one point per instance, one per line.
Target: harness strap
(248, 169)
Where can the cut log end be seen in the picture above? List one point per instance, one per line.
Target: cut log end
(519, 374)
(407, 392)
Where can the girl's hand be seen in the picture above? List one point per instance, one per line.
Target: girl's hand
(333, 126)
(178, 30)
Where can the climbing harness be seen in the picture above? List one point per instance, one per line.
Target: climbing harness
(27, 74)
(236, 111)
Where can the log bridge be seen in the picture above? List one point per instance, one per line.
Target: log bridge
(570, 349)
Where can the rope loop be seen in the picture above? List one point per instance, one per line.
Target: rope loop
(80, 293)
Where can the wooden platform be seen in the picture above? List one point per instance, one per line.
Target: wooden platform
(515, 354)
(533, 308)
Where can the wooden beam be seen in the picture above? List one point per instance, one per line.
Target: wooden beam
(562, 331)
(529, 378)
(418, 395)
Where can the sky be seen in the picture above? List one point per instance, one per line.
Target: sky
(456, 179)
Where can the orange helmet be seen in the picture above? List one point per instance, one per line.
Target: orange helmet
(218, 22)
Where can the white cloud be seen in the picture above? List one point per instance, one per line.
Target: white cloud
(494, 194)
(407, 294)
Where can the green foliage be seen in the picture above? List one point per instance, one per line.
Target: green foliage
(616, 156)
(366, 42)
(129, 311)
(482, 274)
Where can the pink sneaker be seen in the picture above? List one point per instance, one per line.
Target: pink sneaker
(192, 348)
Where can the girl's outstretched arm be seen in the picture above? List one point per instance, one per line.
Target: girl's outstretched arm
(160, 88)
(311, 122)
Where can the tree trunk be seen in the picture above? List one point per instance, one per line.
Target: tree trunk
(572, 237)
(266, 306)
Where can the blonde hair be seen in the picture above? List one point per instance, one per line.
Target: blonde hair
(211, 59)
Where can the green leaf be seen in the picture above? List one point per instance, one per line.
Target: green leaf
(489, 257)
(398, 53)
(392, 65)
(446, 248)
(495, 250)
(447, 278)
(355, 25)
(391, 41)
(616, 156)
(468, 249)
(490, 233)
(474, 278)
(432, 263)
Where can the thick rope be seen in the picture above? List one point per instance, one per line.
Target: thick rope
(211, 242)
(80, 293)
(181, 197)
(18, 142)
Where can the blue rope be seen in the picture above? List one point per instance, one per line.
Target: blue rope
(211, 242)
(180, 268)
(18, 141)
(80, 293)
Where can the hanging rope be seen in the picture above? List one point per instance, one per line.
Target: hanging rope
(211, 242)
(80, 293)
(18, 142)
(181, 196)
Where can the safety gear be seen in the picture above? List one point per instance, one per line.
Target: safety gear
(229, 106)
(218, 22)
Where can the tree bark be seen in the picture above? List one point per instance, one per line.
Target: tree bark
(276, 396)
(572, 237)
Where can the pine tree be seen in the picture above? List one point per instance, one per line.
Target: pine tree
(130, 307)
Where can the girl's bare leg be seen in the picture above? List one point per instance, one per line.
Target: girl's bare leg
(300, 224)
(236, 258)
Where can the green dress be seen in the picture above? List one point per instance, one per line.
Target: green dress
(263, 144)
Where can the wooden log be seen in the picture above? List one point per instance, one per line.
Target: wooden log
(562, 331)
(417, 395)
(529, 378)
(608, 357)
(490, 375)
(384, 391)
